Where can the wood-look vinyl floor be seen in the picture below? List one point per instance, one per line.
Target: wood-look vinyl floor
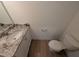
(39, 48)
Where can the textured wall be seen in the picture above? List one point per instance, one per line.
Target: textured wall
(47, 19)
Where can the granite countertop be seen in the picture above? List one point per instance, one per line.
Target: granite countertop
(10, 42)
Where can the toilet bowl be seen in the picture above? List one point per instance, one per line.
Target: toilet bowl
(68, 43)
(55, 45)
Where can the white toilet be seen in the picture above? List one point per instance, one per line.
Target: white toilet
(67, 42)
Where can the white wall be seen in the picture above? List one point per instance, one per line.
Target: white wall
(4, 18)
(53, 17)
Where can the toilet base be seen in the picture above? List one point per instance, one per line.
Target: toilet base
(62, 53)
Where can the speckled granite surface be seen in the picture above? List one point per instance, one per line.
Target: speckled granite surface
(10, 42)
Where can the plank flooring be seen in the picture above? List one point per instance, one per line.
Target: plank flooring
(39, 48)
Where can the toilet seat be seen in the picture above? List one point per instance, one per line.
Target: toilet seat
(56, 45)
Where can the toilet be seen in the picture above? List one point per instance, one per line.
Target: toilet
(67, 42)
(55, 45)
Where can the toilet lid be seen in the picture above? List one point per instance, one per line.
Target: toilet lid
(56, 45)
